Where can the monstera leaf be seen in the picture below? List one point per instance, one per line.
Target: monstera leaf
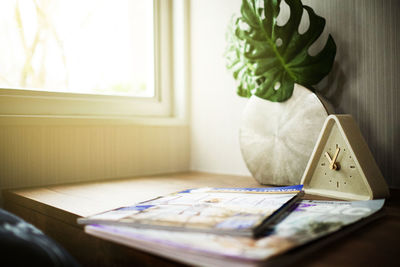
(267, 59)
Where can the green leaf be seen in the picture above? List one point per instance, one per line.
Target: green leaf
(267, 59)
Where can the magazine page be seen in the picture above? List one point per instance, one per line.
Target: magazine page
(237, 211)
(309, 220)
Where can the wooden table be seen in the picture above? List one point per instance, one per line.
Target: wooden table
(54, 210)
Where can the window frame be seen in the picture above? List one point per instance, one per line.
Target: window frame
(42, 103)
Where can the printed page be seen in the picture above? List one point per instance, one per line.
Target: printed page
(205, 209)
(308, 221)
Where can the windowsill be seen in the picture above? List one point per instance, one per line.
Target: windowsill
(54, 209)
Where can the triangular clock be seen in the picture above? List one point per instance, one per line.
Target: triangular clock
(341, 165)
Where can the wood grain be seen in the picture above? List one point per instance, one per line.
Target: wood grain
(54, 210)
(84, 199)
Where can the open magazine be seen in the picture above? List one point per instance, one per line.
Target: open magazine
(233, 211)
(308, 221)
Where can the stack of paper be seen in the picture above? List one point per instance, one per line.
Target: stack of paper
(239, 226)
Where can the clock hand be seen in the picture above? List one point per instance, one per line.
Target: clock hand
(333, 165)
(328, 157)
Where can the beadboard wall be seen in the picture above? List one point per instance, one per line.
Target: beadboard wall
(40, 154)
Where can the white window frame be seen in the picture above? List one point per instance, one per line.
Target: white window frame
(25, 103)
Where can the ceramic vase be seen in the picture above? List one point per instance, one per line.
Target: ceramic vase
(277, 138)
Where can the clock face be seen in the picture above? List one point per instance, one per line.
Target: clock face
(341, 165)
(336, 168)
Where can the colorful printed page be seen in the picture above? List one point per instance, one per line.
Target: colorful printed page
(309, 220)
(237, 211)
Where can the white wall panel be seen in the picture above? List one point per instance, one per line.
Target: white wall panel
(47, 154)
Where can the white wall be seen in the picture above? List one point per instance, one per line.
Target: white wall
(216, 109)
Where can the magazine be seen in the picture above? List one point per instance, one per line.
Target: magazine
(233, 211)
(308, 221)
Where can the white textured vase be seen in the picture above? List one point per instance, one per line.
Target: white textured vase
(277, 138)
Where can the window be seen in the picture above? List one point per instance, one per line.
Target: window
(86, 58)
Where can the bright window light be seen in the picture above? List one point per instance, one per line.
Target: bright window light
(103, 47)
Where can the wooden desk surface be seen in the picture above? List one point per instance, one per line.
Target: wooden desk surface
(54, 210)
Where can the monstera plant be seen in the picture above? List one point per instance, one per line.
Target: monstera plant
(273, 67)
(268, 59)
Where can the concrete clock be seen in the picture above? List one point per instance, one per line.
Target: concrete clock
(341, 165)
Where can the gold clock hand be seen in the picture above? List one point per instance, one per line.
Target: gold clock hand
(328, 157)
(333, 164)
